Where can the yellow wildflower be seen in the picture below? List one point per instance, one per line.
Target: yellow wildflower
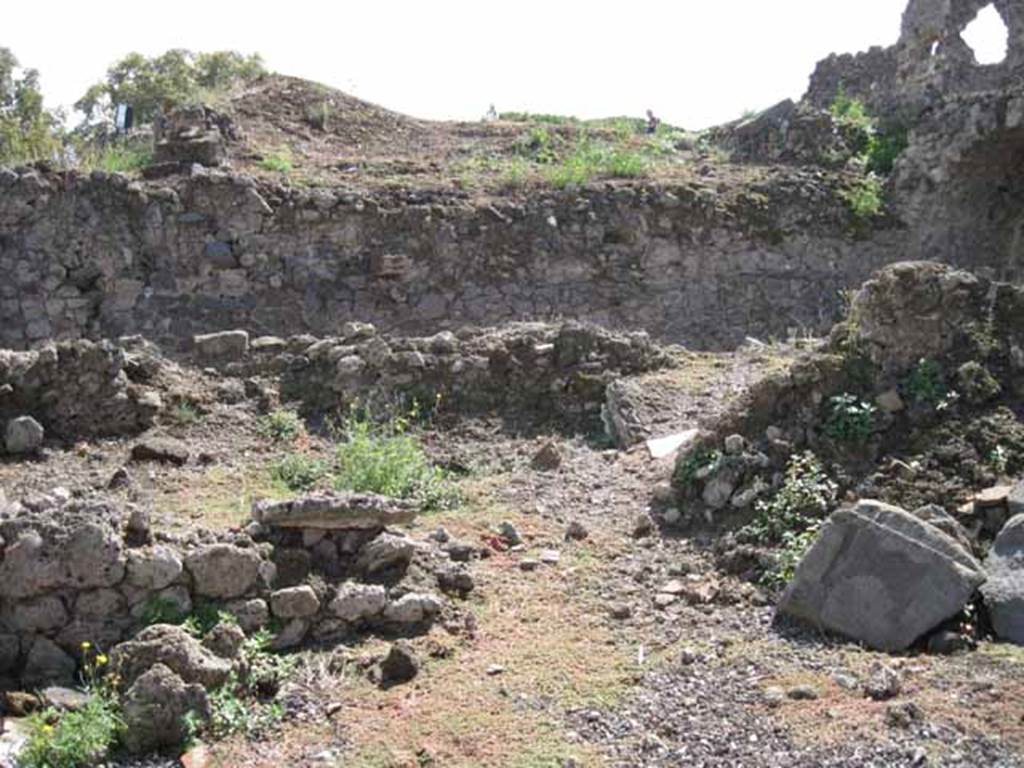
(86, 645)
(101, 659)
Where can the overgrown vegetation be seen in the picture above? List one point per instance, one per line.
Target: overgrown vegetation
(80, 737)
(279, 160)
(156, 84)
(383, 456)
(281, 426)
(864, 197)
(850, 419)
(926, 384)
(567, 152)
(875, 147)
(28, 132)
(151, 85)
(790, 520)
(374, 454)
(245, 702)
(298, 471)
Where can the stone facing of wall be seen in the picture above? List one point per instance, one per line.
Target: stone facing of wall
(530, 373)
(100, 255)
(80, 571)
(75, 388)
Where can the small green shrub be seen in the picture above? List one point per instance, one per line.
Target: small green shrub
(281, 426)
(686, 471)
(926, 384)
(185, 413)
(514, 174)
(794, 546)
(279, 161)
(243, 704)
(806, 495)
(384, 458)
(299, 472)
(864, 197)
(204, 617)
(884, 148)
(73, 739)
(538, 145)
(850, 419)
(161, 610)
(78, 738)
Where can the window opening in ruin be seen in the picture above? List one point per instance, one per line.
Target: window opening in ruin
(987, 36)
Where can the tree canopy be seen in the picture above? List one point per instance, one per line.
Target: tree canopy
(28, 131)
(152, 84)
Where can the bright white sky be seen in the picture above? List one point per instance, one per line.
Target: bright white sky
(694, 63)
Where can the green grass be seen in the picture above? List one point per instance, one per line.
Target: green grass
(72, 739)
(590, 159)
(298, 471)
(116, 158)
(384, 458)
(279, 161)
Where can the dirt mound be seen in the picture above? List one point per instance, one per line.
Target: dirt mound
(278, 108)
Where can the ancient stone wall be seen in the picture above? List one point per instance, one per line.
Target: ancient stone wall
(529, 373)
(74, 572)
(75, 389)
(101, 256)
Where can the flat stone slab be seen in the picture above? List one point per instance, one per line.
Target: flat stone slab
(335, 511)
(660, 447)
(882, 576)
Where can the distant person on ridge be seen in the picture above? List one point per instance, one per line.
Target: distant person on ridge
(652, 122)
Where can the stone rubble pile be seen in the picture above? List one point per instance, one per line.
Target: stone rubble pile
(70, 389)
(72, 572)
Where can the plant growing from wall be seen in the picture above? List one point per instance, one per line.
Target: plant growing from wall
(926, 383)
(850, 419)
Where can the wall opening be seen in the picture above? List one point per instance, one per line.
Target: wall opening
(987, 37)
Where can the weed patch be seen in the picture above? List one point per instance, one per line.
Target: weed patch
(850, 419)
(281, 426)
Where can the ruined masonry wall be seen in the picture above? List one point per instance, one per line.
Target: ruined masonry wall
(100, 256)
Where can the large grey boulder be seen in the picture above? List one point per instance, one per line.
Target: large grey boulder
(335, 511)
(154, 710)
(1004, 590)
(23, 435)
(880, 575)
